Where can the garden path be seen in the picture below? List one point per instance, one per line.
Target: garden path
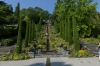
(61, 61)
(5, 49)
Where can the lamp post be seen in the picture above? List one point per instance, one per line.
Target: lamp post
(47, 34)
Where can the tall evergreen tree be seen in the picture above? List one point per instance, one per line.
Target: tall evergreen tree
(29, 37)
(40, 25)
(17, 11)
(33, 31)
(26, 35)
(66, 31)
(63, 28)
(69, 31)
(19, 38)
(75, 35)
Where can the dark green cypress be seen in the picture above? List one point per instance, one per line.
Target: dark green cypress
(63, 28)
(66, 31)
(69, 31)
(26, 35)
(33, 31)
(19, 38)
(40, 25)
(60, 29)
(17, 11)
(29, 37)
(75, 35)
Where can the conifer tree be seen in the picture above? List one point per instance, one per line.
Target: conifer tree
(19, 37)
(29, 37)
(75, 35)
(40, 25)
(33, 31)
(66, 31)
(69, 31)
(26, 35)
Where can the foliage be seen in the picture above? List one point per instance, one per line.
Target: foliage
(8, 42)
(56, 41)
(14, 56)
(91, 40)
(29, 48)
(5, 13)
(85, 52)
(81, 9)
(34, 14)
(7, 32)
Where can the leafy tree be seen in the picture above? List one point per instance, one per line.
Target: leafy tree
(5, 13)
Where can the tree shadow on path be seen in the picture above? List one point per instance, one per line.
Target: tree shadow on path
(60, 64)
(52, 64)
(37, 64)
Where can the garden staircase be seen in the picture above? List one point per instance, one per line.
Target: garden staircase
(61, 53)
(92, 48)
(5, 49)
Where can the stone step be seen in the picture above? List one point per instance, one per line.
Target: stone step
(47, 55)
(54, 55)
(92, 48)
(3, 53)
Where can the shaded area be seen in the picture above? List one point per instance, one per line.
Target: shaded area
(48, 62)
(37, 64)
(60, 64)
(49, 52)
(52, 64)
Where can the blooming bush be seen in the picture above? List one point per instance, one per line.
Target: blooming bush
(85, 52)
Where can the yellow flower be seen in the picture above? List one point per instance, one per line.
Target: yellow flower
(81, 51)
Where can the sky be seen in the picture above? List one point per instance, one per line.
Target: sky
(44, 4)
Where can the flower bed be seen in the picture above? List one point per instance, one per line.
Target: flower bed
(84, 52)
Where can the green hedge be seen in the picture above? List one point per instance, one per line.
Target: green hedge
(8, 42)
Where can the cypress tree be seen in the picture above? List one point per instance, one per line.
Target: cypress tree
(33, 31)
(17, 11)
(29, 37)
(63, 28)
(69, 31)
(75, 35)
(26, 35)
(19, 38)
(66, 31)
(40, 25)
